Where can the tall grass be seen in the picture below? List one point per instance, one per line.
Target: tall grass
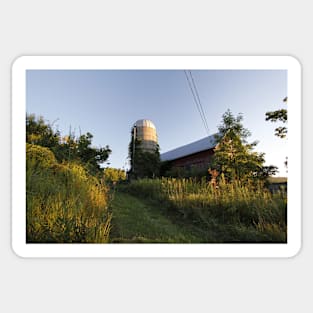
(246, 206)
(64, 204)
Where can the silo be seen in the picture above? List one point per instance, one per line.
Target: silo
(145, 131)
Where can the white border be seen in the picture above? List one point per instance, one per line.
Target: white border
(155, 250)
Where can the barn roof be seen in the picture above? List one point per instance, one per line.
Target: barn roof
(191, 148)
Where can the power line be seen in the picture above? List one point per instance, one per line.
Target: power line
(199, 101)
(196, 99)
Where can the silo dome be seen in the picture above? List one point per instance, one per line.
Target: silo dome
(144, 123)
(146, 133)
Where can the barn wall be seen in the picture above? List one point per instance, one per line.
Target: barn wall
(200, 159)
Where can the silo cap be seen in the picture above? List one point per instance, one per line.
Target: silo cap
(144, 123)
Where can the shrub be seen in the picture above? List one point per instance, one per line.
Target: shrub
(64, 204)
(114, 175)
(39, 156)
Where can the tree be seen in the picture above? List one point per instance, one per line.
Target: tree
(233, 157)
(266, 171)
(68, 148)
(92, 157)
(279, 115)
(281, 131)
(38, 132)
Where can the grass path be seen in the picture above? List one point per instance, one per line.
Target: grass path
(138, 220)
(144, 221)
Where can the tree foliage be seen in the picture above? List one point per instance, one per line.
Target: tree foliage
(233, 126)
(143, 163)
(38, 132)
(68, 148)
(234, 158)
(281, 116)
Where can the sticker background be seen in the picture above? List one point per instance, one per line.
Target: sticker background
(158, 28)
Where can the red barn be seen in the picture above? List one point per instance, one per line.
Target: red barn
(198, 153)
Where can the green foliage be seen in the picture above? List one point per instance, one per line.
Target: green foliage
(266, 172)
(233, 126)
(64, 204)
(114, 175)
(40, 157)
(143, 163)
(250, 212)
(68, 148)
(147, 164)
(40, 133)
(80, 150)
(281, 116)
(233, 156)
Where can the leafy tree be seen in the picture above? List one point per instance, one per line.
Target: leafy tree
(92, 157)
(133, 150)
(266, 171)
(68, 148)
(147, 164)
(281, 131)
(279, 115)
(39, 133)
(234, 158)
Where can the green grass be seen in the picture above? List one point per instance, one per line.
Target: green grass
(65, 204)
(233, 213)
(138, 220)
(144, 221)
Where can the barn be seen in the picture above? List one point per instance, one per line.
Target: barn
(198, 153)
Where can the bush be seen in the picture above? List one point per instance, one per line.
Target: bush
(40, 157)
(114, 175)
(64, 204)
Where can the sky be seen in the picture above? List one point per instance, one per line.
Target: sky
(107, 103)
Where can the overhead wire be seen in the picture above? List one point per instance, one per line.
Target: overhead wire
(196, 98)
(199, 101)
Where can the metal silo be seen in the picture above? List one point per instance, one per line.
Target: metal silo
(145, 131)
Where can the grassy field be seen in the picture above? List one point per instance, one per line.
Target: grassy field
(185, 210)
(65, 204)
(145, 221)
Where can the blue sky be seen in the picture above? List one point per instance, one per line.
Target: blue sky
(108, 102)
